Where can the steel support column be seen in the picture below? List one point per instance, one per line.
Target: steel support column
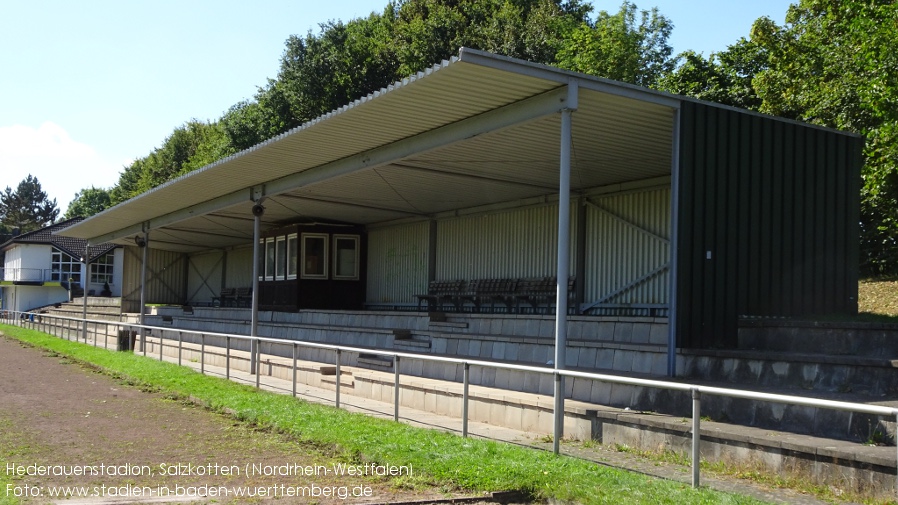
(85, 277)
(258, 210)
(563, 261)
(145, 245)
(674, 241)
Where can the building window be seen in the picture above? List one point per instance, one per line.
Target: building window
(270, 258)
(261, 259)
(346, 257)
(292, 255)
(64, 267)
(314, 256)
(281, 258)
(101, 269)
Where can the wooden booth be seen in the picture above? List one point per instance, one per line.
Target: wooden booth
(313, 266)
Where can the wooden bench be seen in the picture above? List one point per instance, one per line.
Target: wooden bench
(539, 292)
(439, 292)
(225, 297)
(244, 297)
(489, 291)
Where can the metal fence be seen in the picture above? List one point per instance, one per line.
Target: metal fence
(28, 275)
(80, 329)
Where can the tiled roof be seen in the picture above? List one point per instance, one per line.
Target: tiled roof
(72, 246)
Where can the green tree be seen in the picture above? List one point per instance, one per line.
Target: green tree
(346, 61)
(190, 146)
(618, 47)
(725, 77)
(834, 63)
(27, 208)
(87, 202)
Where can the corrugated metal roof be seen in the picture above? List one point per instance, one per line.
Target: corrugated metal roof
(324, 169)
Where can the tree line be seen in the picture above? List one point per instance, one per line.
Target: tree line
(831, 63)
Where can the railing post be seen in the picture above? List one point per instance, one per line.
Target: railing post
(696, 436)
(558, 428)
(257, 361)
(180, 347)
(202, 353)
(228, 358)
(466, 381)
(294, 369)
(396, 389)
(339, 352)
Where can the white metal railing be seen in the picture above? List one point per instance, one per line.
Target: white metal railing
(26, 274)
(68, 327)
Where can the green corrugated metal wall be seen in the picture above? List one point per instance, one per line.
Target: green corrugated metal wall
(776, 205)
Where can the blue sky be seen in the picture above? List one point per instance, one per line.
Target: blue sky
(87, 87)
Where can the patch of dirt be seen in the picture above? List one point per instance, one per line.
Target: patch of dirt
(59, 417)
(878, 296)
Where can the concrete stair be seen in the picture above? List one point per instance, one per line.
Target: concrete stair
(98, 308)
(839, 462)
(626, 346)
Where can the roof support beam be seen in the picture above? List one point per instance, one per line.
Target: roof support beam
(504, 180)
(550, 102)
(320, 199)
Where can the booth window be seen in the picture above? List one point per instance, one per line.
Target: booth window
(262, 259)
(270, 258)
(292, 255)
(281, 255)
(346, 257)
(314, 256)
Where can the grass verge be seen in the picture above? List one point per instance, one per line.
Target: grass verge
(758, 474)
(439, 459)
(9, 448)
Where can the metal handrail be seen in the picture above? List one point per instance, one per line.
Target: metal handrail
(16, 274)
(696, 390)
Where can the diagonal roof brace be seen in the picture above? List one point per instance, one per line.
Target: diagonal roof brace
(541, 105)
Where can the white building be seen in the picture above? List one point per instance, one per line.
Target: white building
(40, 266)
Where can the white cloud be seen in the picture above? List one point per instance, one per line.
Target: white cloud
(61, 164)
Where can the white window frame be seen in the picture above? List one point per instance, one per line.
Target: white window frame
(292, 255)
(58, 258)
(355, 275)
(324, 256)
(270, 261)
(107, 261)
(280, 258)
(261, 259)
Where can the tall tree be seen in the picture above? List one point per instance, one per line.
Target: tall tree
(27, 208)
(834, 63)
(87, 202)
(619, 47)
(725, 77)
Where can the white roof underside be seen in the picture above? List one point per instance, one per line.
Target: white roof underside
(436, 142)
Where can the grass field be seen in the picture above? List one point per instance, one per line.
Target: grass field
(441, 460)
